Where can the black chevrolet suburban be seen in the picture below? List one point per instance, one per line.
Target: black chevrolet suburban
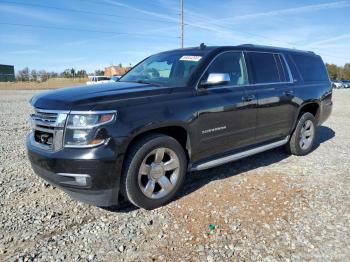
(174, 112)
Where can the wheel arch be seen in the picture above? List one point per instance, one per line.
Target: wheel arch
(312, 107)
(177, 130)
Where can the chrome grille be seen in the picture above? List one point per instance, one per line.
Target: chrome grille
(48, 128)
(45, 119)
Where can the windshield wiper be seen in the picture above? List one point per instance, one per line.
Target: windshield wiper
(142, 82)
(147, 83)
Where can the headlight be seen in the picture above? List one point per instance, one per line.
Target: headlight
(83, 128)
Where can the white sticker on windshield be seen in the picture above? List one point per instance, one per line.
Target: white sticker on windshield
(191, 58)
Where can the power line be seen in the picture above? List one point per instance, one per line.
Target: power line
(247, 33)
(87, 12)
(81, 30)
(271, 39)
(182, 24)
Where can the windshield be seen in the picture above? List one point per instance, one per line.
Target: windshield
(167, 69)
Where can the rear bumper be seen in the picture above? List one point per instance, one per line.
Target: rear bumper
(90, 175)
(325, 111)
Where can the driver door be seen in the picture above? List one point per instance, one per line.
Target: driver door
(227, 114)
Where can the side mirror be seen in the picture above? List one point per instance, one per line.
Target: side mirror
(215, 79)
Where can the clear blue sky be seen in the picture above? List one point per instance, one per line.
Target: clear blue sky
(92, 34)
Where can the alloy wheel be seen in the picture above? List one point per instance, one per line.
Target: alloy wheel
(307, 134)
(159, 173)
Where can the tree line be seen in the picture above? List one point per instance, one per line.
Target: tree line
(338, 72)
(42, 75)
(335, 73)
(27, 74)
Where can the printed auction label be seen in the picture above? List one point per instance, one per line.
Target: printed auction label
(191, 58)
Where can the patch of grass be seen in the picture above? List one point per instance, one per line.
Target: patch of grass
(51, 83)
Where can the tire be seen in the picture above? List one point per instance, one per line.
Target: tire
(150, 178)
(301, 143)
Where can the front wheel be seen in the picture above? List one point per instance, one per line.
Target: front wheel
(303, 137)
(154, 171)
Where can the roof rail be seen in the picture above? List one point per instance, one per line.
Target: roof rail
(246, 45)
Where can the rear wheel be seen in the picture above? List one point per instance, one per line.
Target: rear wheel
(154, 171)
(303, 137)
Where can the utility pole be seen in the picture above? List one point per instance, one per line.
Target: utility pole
(182, 23)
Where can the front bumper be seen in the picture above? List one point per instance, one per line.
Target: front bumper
(90, 175)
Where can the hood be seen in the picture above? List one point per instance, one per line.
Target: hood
(90, 97)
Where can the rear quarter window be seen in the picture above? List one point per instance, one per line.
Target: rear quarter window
(311, 67)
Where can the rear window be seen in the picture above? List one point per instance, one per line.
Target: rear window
(264, 67)
(311, 67)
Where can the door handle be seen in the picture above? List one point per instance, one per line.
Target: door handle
(288, 92)
(248, 98)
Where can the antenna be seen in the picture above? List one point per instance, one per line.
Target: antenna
(182, 24)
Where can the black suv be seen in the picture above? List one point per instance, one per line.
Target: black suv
(174, 112)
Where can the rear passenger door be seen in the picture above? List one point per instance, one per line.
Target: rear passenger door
(272, 84)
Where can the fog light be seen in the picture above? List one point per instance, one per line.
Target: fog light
(81, 180)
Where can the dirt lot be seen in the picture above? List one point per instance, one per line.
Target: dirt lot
(271, 206)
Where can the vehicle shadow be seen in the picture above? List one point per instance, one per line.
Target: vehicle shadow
(323, 134)
(196, 180)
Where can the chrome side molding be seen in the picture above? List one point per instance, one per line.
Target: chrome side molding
(230, 158)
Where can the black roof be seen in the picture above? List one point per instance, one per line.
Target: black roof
(246, 47)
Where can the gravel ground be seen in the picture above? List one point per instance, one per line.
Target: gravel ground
(269, 207)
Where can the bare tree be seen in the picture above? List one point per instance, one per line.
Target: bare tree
(23, 75)
(34, 75)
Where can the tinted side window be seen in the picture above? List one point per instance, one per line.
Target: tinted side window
(189, 67)
(311, 67)
(293, 68)
(284, 73)
(231, 63)
(264, 68)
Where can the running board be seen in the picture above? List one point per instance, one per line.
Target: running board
(226, 159)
